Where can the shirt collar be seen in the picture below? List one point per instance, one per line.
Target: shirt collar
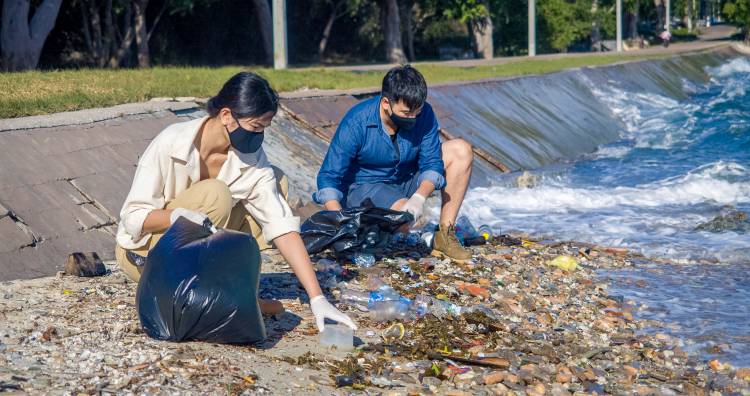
(373, 117)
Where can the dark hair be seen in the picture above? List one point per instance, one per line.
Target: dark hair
(405, 83)
(246, 94)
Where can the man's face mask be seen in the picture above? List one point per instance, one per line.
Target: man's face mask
(244, 141)
(405, 123)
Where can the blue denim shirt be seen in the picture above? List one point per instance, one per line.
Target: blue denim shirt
(362, 152)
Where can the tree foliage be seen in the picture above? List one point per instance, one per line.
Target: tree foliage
(738, 11)
(563, 22)
(220, 32)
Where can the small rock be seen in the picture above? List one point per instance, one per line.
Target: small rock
(500, 389)
(494, 377)
(743, 373)
(564, 376)
(558, 390)
(630, 371)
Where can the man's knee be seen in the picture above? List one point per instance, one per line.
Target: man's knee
(459, 150)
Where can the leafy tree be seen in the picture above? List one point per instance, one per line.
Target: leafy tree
(738, 12)
(476, 14)
(563, 22)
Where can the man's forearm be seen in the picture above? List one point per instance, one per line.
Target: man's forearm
(425, 188)
(332, 205)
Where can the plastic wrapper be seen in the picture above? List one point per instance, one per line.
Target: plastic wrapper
(364, 229)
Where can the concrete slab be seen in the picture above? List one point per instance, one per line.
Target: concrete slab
(12, 237)
(67, 184)
(108, 188)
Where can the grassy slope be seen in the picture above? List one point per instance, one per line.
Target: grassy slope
(45, 92)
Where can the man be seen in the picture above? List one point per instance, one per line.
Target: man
(387, 148)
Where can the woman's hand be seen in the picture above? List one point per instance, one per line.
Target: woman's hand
(322, 309)
(192, 215)
(195, 217)
(291, 247)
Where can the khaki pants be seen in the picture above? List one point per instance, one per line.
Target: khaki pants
(212, 198)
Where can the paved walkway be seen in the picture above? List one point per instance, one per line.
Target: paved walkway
(712, 37)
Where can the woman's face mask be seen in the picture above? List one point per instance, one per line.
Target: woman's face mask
(244, 141)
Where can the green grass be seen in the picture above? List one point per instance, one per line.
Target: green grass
(45, 92)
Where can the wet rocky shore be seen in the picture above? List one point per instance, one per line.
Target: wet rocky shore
(525, 322)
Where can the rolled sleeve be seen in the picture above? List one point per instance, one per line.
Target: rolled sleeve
(146, 195)
(433, 177)
(269, 208)
(328, 194)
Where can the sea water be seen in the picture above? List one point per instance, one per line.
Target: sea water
(677, 165)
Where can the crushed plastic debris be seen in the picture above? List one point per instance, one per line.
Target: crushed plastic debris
(528, 327)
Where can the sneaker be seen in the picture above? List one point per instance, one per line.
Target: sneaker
(446, 244)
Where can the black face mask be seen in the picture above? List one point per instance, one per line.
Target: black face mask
(405, 123)
(244, 141)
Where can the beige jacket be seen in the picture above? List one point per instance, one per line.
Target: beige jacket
(171, 164)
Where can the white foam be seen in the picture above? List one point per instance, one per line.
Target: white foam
(651, 120)
(612, 151)
(735, 66)
(705, 184)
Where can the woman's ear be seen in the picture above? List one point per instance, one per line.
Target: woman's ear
(225, 116)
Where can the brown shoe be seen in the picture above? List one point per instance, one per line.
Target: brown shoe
(447, 244)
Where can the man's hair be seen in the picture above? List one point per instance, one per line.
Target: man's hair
(405, 83)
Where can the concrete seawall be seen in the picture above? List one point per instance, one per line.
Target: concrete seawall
(63, 177)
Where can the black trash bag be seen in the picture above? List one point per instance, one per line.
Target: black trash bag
(203, 286)
(365, 229)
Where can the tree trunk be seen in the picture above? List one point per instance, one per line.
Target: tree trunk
(481, 29)
(327, 29)
(141, 33)
(265, 24)
(406, 16)
(21, 41)
(660, 15)
(122, 50)
(596, 36)
(109, 41)
(96, 30)
(689, 15)
(634, 20)
(394, 49)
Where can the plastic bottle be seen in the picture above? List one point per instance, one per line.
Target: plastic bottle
(428, 233)
(485, 231)
(381, 311)
(326, 265)
(385, 293)
(374, 283)
(464, 229)
(421, 305)
(364, 260)
(355, 296)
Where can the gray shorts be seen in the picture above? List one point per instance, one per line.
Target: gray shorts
(382, 194)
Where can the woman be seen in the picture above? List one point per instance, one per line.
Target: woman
(215, 168)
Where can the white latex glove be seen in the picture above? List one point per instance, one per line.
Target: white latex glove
(322, 309)
(415, 205)
(195, 217)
